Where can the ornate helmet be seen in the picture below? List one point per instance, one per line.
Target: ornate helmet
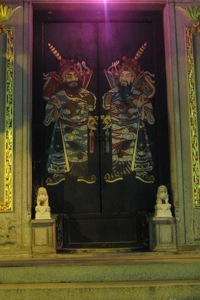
(143, 80)
(65, 65)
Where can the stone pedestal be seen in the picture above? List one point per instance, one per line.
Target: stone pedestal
(162, 234)
(43, 236)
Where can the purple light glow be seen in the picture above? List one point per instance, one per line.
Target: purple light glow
(106, 12)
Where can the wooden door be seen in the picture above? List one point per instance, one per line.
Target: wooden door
(103, 213)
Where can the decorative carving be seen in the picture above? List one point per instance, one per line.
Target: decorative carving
(8, 233)
(42, 208)
(193, 113)
(6, 12)
(162, 207)
(196, 229)
(7, 205)
(8, 31)
(192, 12)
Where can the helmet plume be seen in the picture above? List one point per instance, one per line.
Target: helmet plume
(54, 51)
(140, 51)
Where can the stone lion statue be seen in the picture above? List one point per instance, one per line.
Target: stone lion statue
(42, 197)
(42, 208)
(162, 207)
(162, 195)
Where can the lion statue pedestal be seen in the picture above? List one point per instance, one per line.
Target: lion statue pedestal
(43, 227)
(162, 226)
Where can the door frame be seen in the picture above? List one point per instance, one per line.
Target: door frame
(167, 11)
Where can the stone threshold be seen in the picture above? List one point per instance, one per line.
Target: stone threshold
(100, 256)
(100, 285)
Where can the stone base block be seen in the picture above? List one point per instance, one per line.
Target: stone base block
(162, 234)
(43, 236)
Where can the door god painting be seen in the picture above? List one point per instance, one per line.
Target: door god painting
(69, 107)
(129, 109)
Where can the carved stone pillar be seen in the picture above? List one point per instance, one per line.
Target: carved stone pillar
(15, 147)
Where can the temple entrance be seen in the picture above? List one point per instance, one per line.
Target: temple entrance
(107, 190)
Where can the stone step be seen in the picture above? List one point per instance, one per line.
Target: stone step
(95, 272)
(151, 290)
(98, 275)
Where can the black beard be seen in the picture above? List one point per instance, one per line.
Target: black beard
(71, 89)
(124, 89)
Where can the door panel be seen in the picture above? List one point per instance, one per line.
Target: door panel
(102, 213)
(119, 39)
(73, 43)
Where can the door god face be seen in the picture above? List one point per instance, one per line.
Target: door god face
(125, 78)
(71, 78)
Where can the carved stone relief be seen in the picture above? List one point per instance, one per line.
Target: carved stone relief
(192, 33)
(7, 90)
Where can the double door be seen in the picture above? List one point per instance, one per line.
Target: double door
(108, 213)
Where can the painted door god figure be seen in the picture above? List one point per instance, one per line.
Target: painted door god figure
(69, 107)
(129, 109)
